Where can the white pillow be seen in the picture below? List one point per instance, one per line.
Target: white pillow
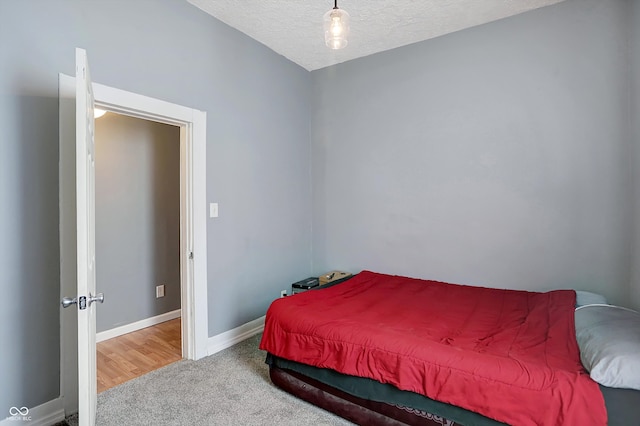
(609, 340)
(588, 298)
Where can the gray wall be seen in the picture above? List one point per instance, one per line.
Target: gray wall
(137, 218)
(257, 105)
(494, 156)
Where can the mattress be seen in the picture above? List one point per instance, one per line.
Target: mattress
(499, 353)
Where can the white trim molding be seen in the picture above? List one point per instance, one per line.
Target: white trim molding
(135, 326)
(236, 335)
(193, 136)
(43, 415)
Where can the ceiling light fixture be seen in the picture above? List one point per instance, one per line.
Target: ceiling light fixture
(97, 112)
(336, 27)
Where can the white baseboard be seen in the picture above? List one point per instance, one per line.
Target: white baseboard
(237, 335)
(43, 415)
(138, 325)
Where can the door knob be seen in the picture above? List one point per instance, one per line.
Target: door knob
(67, 301)
(97, 298)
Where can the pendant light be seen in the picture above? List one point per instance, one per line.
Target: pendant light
(336, 27)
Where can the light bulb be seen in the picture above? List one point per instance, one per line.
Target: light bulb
(336, 28)
(97, 112)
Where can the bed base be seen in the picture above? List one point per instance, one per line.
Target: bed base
(357, 410)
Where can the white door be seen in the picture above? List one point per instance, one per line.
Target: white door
(75, 96)
(85, 214)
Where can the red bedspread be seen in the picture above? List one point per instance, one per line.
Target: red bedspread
(509, 355)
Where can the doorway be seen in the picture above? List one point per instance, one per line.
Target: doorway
(193, 248)
(137, 235)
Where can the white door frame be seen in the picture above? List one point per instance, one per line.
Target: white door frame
(193, 225)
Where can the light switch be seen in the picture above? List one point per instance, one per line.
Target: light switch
(213, 210)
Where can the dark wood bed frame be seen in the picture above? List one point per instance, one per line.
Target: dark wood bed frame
(358, 410)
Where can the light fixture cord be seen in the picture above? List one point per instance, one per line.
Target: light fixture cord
(335, 4)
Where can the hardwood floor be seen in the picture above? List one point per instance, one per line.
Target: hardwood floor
(134, 354)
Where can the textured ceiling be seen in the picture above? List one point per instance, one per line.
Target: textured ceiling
(293, 28)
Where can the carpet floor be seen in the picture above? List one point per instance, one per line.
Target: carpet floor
(231, 387)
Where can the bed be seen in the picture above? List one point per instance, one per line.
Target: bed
(382, 349)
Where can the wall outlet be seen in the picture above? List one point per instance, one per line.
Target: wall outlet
(283, 293)
(159, 291)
